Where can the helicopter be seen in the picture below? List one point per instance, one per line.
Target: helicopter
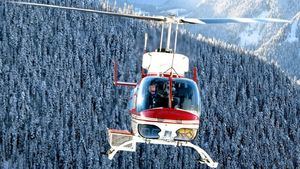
(164, 105)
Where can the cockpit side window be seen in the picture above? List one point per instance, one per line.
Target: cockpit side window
(132, 100)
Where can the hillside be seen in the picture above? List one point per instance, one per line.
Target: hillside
(250, 36)
(284, 48)
(57, 97)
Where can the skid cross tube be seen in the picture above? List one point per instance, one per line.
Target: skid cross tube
(205, 158)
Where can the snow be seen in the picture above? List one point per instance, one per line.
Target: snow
(292, 36)
(220, 6)
(5, 165)
(147, 2)
(252, 34)
(298, 82)
(201, 2)
(176, 11)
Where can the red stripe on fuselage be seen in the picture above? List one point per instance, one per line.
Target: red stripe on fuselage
(181, 122)
(167, 113)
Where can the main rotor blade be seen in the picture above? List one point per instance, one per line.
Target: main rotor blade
(154, 18)
(191, 21)
(231, 20)
(162, 18)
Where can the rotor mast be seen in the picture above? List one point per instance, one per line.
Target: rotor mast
(170, 21)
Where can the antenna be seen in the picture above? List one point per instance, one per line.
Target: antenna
(115, 6)
(169, 36)
(146, 39)
(175, 43)
(161, 36)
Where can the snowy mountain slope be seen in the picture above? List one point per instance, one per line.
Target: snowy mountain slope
(249, 36)
(284, 48)
(57, 97)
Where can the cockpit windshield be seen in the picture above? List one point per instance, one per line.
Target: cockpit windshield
(185, 95)
(154, 92)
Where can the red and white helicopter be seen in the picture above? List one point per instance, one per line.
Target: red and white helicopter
(164, 105)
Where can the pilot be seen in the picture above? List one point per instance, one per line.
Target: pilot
(157, 98)
(153, 96)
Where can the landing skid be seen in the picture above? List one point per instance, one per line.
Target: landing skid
(121, 140)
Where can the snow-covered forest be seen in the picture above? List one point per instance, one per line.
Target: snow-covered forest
(57, 97)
